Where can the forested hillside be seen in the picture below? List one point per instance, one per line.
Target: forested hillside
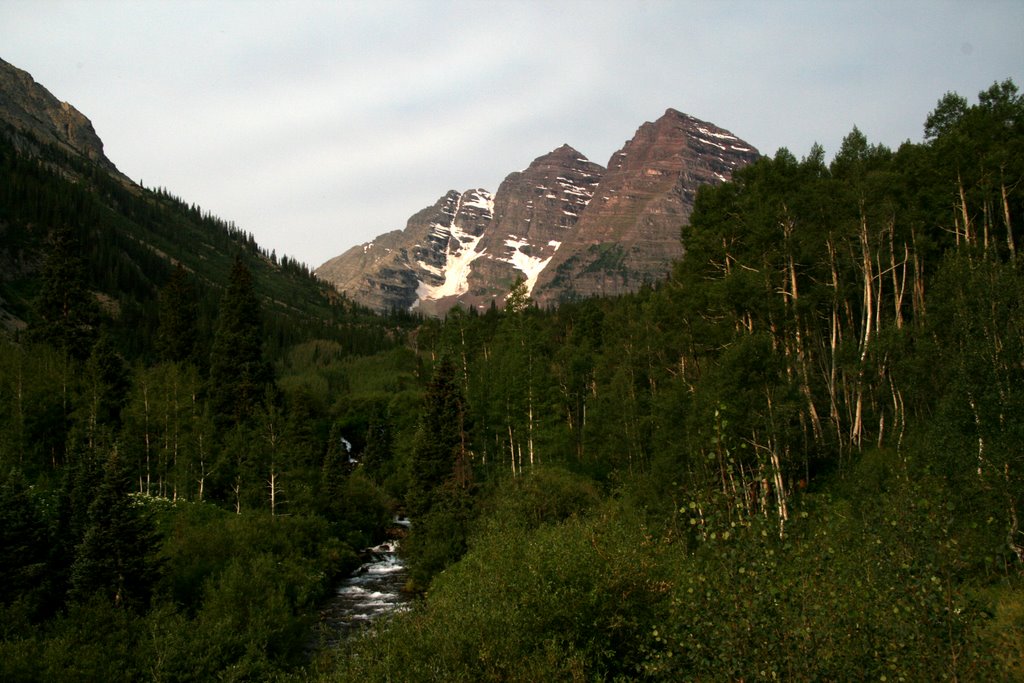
(799, 458)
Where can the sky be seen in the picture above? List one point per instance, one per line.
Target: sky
(319, 125)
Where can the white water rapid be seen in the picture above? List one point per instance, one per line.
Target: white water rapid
(372, 591)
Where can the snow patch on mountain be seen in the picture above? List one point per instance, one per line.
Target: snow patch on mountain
(529, 266)
(456, 268)
(460, 250)
(479, 199)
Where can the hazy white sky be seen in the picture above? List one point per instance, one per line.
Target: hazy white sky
(319, 125)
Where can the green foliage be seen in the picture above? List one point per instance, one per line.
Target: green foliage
(65, 310)
(798, 458)
(543, 605)
(814, 420)
(115, 558)
(440, 452)
(543, 495)
(440, 479)
(177, 335)
(25, 537)
(238, 372)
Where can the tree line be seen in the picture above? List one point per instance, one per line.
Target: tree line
(797, 458)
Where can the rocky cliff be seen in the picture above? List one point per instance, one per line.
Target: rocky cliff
(565, 225)
(630, 233)
(29, 108)
(469, 248)
(426, 262)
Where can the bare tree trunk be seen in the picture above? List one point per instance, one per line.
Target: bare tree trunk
(1015, 545)
(801, 356)
(511, 446)
(273, 438)
(780, 492)
(867, 316)
(201, 481)
(834, 338)
(529, 408)
(146, 435)
(963, 209)
(867, 328)
(272, 483)
(899, 281)
(1006, 219)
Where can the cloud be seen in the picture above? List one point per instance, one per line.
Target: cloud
(317, 125)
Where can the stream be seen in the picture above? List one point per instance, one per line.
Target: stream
(372, 591)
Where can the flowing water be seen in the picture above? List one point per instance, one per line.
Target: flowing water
(372, 591)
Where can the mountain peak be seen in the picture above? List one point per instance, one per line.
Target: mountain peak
(567, 150)
(565, 155)
(566, 225)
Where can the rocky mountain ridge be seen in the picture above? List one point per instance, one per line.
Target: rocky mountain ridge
(30, 108)
(567, 226)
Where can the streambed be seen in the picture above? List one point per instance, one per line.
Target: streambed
(371, 592)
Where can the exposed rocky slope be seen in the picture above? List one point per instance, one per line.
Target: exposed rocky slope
(565, 225)
(30, 108)
(535, 211)
(426, 261)
(630, 233)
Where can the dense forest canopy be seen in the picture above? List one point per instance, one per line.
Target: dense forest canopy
(797, 458)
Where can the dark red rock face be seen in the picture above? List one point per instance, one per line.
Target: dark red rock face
(630, 232)
(535, 211)
(567, 226)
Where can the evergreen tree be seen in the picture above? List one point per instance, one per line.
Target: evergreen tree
(66, 311)
(379, 443)
(116, 556)
(439, 498)
(441, 450)
(105, 388)
(518, 298)
(333, 475)
(24, 537)
(238, 372)
(176, 338)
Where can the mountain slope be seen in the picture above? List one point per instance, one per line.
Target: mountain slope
(630, 233)
(470, 247)
(53, 175)
(30, 108)
(565, 225)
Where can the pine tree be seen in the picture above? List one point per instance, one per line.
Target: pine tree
(333, 475)
(379, 443)
(66, 312)
(116, 556)
(104, 389)
(440, 493)
(441, 450)
(25, 538)
(176, 338)
(238, 372)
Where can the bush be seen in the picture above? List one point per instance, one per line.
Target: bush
(559, 602)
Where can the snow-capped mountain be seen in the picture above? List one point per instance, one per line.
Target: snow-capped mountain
(565, 225)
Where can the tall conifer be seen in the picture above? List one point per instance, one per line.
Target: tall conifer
(238, 372)
(441, 447)
(176, 340)
(65, 310)
(115, 557)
